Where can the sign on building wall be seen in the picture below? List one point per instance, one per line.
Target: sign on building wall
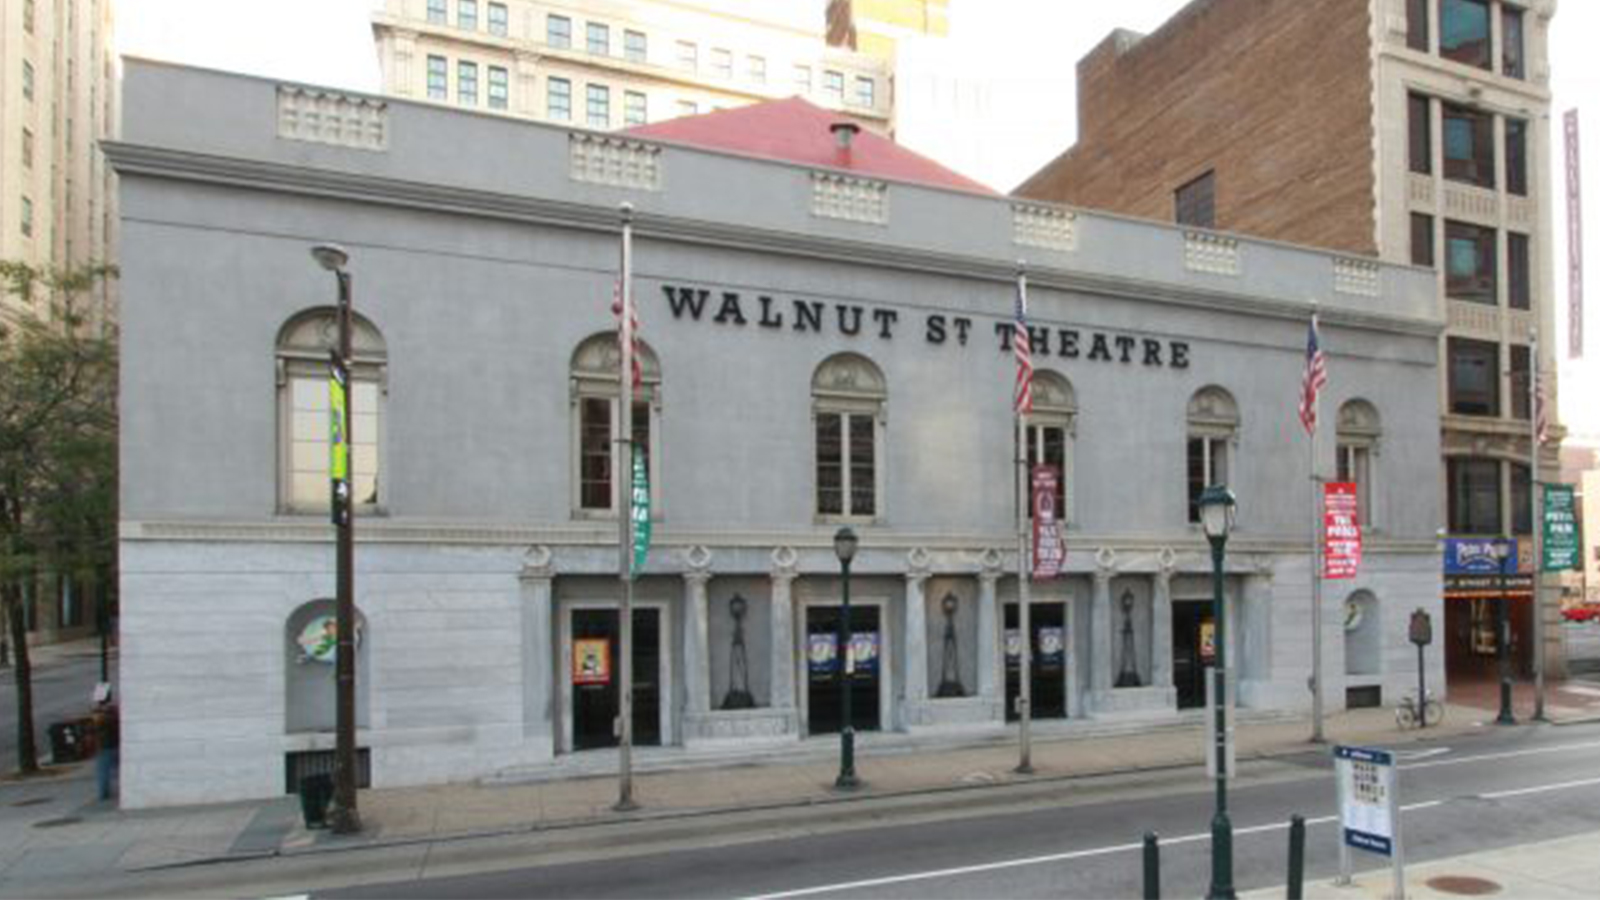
(591, 661)
(1484, 568)
(1574, 238)
(1341, 530)
(1049, 549)
(1561, 546)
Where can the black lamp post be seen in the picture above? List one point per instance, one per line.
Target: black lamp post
(1502, 630)
(844, 546)
(344, 817)
(1216, 517)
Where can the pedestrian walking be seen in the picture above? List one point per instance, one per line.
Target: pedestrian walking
(108, 737)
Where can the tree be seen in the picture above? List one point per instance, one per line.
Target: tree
(58, 432)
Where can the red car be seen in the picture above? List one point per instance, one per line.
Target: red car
(1586, 613)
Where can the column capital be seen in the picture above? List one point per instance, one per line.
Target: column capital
(785, 563)
(991, 564)
(1105, 564)
(538, 564)
(697, 578)
(918, 564)
(1166, 564)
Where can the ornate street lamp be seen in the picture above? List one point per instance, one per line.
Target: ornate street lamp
(344, 817)
(1216, 517)
(844, 546)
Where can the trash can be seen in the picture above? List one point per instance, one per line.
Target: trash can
(68, 741)
(316, 792)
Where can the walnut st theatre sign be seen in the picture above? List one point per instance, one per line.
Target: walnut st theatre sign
(732, 309)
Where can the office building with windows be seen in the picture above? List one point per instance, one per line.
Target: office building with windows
(624, 63)
(832, 349)
(1413, 131)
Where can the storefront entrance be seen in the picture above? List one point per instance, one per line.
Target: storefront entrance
(596, 677)
(1470, 649)
(824, 671)
(1048, 622)
(1192, 650)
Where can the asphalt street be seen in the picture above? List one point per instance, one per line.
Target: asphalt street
(1081, 839)
(62, 689)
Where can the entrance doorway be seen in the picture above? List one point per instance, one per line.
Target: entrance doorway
(1048, 686)
(1471, 651)
(1192, 650)
(825, 672)
(596, 642)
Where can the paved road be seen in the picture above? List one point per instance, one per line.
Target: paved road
(1081, 839)
(62, 689)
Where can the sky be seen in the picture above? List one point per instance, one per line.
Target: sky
(1025, 51)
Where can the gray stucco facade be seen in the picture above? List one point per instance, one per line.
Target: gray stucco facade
(484, 253)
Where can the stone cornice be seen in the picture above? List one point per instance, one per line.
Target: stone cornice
(136, 159)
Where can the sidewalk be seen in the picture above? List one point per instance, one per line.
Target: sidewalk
(1558, 869)
(53, 832)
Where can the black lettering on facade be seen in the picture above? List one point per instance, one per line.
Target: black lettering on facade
(936, 332)
(807, 315)
(1179, 355)
(685, 298)
(886, 318)
(1004, 329)
(730, 311)
(1125, 347)
(962, 324)
(1069, 343)
(1100, 350)
(849, 324)
(1039, 340)
(768, 320)
(1152, 352)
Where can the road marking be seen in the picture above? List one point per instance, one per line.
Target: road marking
(1128, 848)
(1420, 754)
(1508, 754)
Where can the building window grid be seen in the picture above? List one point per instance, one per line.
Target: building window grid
(598, 106)
(1516, 157)
(1468, 145)
(437, 12)
(499, 88)
(466, 83)
(558, 99)
(1474, 377)
(27, 80)
(27, 149)
(802, 78)
(467, 15)
(1464, 32)
(688, 108)
(1474, 496)
(1354, 465)
(27, 217)
(1519, 263)
(597, 38)
(1422, 240)
(833, 85)
(304, 409)
(721, 62)
(635, 108)
(438, 78)
(1417, 25)
(635, 46)
(1195, 203)
(756, 67)
(1512, 63)
(499, 20)
(1419, 128)
(846, 464)
(688, 56)
(866, 94)
(1518, 374)
(1207, 465)
(558, 32)
(1470, 270)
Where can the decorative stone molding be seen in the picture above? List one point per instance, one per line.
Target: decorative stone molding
(1465, 201)
(1421, 189)
(785, 562)
(1519, 210)
(851, 199)
(614, 161)
(1355, 276)
(1521, 325)
(1166, 561)
(1476, 319)
(918, 563)
(849, 375)
(1358, 418)
(1105, 563)
(1213, 254)
(990, 564)
(332, 117)
(698, 560)
(1050, 227)
(538, 563)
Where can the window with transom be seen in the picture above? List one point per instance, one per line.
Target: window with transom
(849, 397)
(304, 409)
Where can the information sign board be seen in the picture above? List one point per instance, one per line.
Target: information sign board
(1341, 530)
(1560, 528)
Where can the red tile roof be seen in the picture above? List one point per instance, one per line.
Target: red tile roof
(796, 131)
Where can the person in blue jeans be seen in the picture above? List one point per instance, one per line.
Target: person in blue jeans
(108, 737)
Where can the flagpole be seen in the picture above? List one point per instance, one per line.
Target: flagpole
(1536, 500)
(624, 469)
(1024, 624)
(1316, 567)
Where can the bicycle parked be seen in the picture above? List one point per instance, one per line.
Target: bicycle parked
(1405, 712)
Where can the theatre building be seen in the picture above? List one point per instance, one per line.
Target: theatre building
(825, 326)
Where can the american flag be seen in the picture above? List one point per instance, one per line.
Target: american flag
(628, 330)
(1541, 415)
(1019, 342)
(1314, 379)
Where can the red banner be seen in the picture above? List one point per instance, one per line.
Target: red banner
(1049, 548)
(1342, 531)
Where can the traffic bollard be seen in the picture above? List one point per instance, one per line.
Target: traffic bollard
(1297, 857)
(1152, 866)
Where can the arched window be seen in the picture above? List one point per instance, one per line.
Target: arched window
(597, 418)
(1213, 433)
(304, 344)
(1052, 426)
(1358, 430)
(1363, 635)
(849, 398)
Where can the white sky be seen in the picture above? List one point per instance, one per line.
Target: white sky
(1026, 49)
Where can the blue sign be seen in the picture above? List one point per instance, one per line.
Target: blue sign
(1478, 556)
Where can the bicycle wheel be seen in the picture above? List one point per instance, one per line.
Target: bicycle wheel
(1433, 712)
(1405, 716)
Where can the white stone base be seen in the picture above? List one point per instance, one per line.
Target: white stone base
(953, 712)
(740, 725)
(1133, 701)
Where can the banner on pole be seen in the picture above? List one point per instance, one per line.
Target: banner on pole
(1049, 548)
(640, 511)
(1560, 529)
(1341, 530)
(338, 440)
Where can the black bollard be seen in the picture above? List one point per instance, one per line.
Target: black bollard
(1297, 858)
(1152, 866)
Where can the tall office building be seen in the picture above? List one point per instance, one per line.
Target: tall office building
(1416, 131)
(612, 64)
(58, 98)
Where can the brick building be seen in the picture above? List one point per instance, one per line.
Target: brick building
(1416, 131)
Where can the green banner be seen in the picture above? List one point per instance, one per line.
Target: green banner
(640, 510)
(1560, 528)
(338, 441)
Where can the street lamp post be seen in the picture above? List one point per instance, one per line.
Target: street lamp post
(1502, 632)
(344, 818)
(844, 546)
(1216, 516)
